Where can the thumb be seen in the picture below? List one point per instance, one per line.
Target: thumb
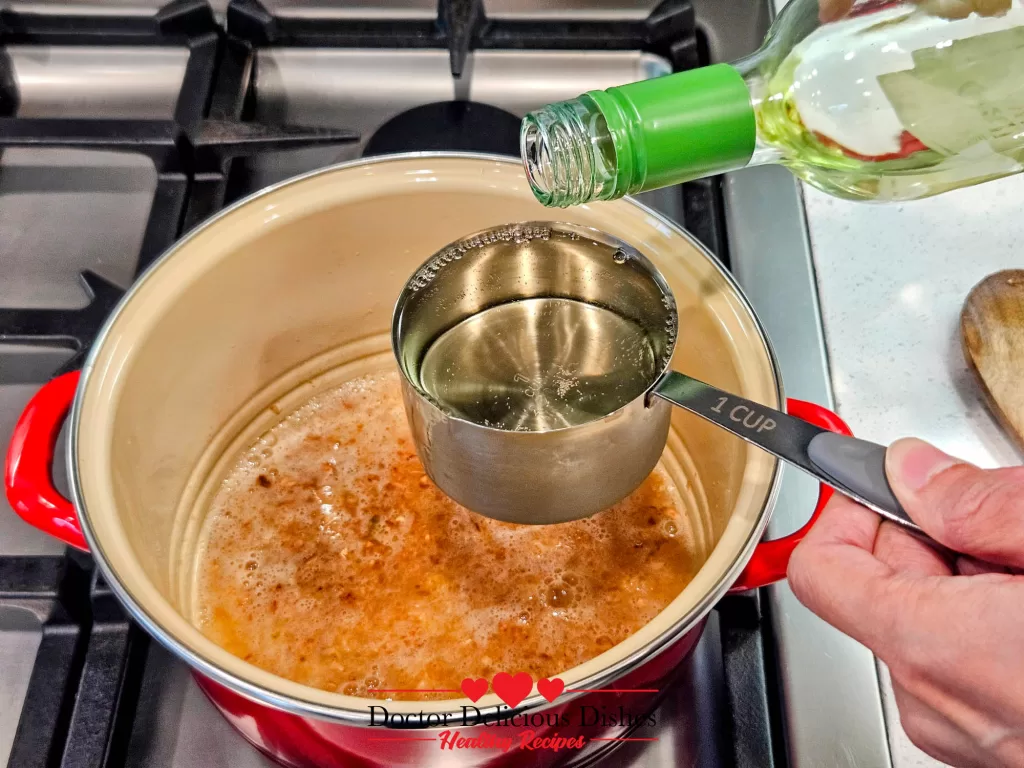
(978, 512)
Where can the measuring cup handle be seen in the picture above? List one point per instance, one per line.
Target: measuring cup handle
(28, 476)
(770, 560)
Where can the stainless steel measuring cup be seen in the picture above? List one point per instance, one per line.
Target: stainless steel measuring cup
(534, 363)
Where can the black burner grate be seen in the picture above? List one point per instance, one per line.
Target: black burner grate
(195, 142)
(84, 689)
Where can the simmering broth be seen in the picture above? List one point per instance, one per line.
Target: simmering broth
(329, 558)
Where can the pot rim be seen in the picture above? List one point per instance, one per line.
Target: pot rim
(305, 708)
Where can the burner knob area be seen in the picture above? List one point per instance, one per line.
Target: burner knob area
(453, 126)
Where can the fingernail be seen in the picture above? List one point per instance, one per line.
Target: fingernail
(913, 462)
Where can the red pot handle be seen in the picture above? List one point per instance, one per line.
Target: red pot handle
(771, 558)
(30, 463)
(31, 493)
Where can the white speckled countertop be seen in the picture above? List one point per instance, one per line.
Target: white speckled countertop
(892, 280)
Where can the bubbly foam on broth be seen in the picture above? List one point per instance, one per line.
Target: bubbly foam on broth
(331, 559)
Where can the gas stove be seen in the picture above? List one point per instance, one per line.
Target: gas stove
(124, 123)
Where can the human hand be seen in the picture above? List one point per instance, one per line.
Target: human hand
(950, 629)
(832, 10)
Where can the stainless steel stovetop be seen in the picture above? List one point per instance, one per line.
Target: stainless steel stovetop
(79, 686)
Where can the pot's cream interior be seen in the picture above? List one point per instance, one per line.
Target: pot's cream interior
(230, 330)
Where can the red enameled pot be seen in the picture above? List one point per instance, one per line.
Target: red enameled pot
(291, 291)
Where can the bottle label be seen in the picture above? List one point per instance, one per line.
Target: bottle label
(964, 93)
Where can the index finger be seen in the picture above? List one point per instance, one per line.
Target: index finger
(834, 573)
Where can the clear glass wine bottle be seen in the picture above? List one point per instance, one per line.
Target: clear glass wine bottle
(893, 101)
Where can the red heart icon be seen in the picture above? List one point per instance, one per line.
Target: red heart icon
(474, 689)
(550, 689)
(511, 689)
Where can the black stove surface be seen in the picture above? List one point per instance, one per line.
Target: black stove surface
(97, 685)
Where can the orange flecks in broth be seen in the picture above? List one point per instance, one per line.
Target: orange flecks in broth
(331, 559)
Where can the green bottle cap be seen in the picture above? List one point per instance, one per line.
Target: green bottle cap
(678, 127)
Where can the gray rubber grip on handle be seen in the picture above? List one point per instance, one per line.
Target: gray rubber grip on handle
(858, 465)
(853, 467)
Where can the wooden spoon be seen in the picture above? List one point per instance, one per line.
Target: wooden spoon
(992, 332)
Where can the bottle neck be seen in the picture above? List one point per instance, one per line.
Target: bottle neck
(750, 68)
(569, 154)
(641, 136)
